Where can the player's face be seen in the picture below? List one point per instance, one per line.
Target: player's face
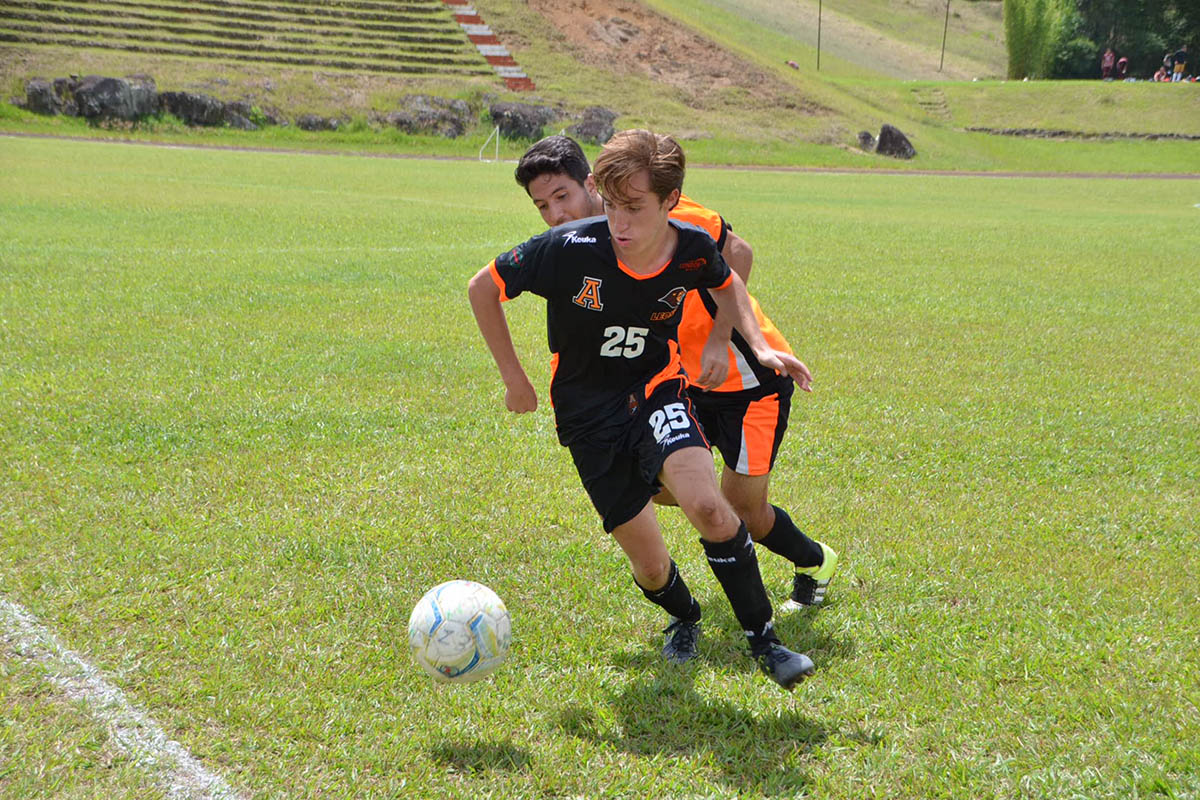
(559, 198)
(638, 224)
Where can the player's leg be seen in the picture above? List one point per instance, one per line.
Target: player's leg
(658, 577)
(750, 454)
(674, 452)
(689, 476)
(730, 552)
(665, 498)
(772, 527)
(748, 496)
(621, 495)
(642, 542)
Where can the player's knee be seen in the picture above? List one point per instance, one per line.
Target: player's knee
(652, 574)
(757, 515)
(713, 517)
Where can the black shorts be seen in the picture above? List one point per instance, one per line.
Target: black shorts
(746, 427)
(620, 469)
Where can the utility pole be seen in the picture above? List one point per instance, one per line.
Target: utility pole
(819, 2)
(945, 28)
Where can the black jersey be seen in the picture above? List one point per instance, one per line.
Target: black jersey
(612, 332)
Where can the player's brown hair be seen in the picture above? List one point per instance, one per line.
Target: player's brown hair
(629, 152)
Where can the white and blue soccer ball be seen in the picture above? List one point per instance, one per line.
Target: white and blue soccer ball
(460, 632)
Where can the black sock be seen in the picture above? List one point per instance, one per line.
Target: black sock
(675, 598)
(736, 567)
(787, 540)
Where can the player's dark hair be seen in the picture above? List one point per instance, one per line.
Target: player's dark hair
(629, 152)
(553, 155)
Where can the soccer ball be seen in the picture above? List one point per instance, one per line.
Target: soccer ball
(459, 632)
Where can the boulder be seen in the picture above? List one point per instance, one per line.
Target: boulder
(65, 89)
(144, 93)
(419, 113)
(236, 120)
(521, 120)
(866, 141)
(315, 122)
(894, 143)
(193, 108)
(102, 98)
(596, 126)
(238, 115)
(271, 115)
(40, 98)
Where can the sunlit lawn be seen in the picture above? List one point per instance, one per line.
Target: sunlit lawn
(246, 420)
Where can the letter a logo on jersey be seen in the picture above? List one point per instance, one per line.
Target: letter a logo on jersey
(589, 295)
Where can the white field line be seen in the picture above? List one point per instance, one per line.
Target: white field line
(131, 729)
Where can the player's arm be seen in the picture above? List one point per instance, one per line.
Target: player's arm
(519, 394)
(714, 358)
(733, 294)
(738, 255)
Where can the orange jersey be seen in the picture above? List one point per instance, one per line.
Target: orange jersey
(699, 310)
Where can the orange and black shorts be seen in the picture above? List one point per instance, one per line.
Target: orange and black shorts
(746, 427)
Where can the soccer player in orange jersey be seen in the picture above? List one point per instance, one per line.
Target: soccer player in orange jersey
(742, 405)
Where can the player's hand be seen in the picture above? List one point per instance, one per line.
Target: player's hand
(521, 397)
(714, 363)
(789, 365)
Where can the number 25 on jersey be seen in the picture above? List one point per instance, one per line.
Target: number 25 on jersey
(623, 342)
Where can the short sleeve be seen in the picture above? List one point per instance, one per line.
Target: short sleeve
(716, 273)
(528, 267)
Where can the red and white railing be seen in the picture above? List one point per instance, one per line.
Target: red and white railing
(489, 45)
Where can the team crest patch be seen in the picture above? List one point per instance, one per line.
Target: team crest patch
(516, 256)
(633, 405)
(673, 298)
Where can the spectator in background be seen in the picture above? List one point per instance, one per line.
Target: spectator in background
(1181, 57)
(1122, 67)
(1106, 64)
(1161, 75)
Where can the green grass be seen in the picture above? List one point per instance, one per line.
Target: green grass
(47, 744)
(776, 116)
(246, 420)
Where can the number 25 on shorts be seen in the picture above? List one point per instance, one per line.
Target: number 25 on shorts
(672, 416)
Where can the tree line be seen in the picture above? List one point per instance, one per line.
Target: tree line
(1065, 38)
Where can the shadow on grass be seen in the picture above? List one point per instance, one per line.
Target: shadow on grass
(756, 754)
(723, 642)
(483, 757)
(666, 716)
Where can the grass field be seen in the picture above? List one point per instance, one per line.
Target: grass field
(763, 112)
(246, 419)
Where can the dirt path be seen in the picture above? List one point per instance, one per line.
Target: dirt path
(1186, 176)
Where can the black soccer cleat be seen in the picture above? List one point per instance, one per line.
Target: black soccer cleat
(682, 636)
(809, 583)
(782, 665)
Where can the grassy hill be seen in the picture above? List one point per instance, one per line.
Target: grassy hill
(715, 73)
(874, 38)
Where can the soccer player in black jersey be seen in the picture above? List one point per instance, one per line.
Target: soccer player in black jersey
(614, 288)
(742, 407)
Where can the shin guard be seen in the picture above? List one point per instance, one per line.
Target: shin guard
(736, 567)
